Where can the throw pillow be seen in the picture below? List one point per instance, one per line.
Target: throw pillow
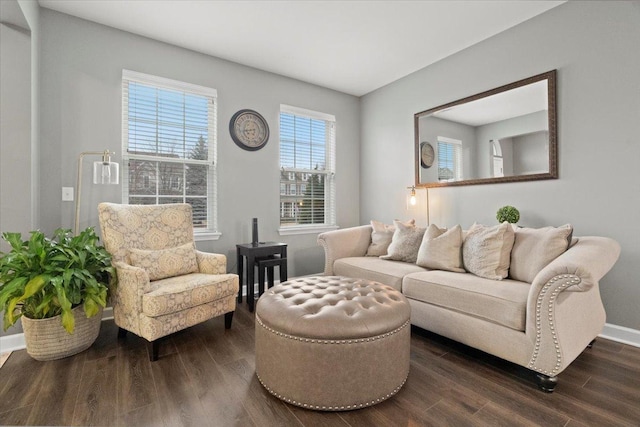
(405, 243)
(486, 251)
(534, 249)
(381, 237)
(166, 262)
(441, 249)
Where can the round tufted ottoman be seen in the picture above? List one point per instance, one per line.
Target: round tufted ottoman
(332, 343)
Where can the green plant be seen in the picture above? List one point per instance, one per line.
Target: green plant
(509, 214)
(42, 277)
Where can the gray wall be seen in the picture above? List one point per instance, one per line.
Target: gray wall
(15, 129)
(431, 128)
(19, 137)
(81, 111)
(594, 47)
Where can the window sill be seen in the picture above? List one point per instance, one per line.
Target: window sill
(206, 235)
(304, 229)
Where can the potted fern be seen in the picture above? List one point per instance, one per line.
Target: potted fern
(58, 286)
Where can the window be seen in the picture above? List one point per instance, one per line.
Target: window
(307, 163)
(449, 159)
(169, 146)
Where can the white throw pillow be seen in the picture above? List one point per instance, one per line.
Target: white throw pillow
(535, 248)
(381, 237)
(405, 243)
(441, 249)
(486, 251)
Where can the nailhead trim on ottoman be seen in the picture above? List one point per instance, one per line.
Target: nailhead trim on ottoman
(332, 343)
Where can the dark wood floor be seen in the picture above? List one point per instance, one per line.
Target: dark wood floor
(205, 377)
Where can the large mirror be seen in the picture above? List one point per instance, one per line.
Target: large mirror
(505, 134)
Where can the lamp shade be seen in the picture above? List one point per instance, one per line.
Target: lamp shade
(106, 173)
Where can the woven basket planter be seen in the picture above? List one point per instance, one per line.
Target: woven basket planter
(46, 339)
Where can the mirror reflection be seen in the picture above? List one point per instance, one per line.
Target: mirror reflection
(502, 135)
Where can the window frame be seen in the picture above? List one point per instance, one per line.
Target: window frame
(211, 232)
(329, 173)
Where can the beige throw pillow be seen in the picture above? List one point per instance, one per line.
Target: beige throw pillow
(441, 249)
(405, 243)
(535, 248)
(166, 262)
(486, 251)
(381, 237)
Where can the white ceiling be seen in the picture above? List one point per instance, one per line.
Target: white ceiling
(350, 46)
(501, 106)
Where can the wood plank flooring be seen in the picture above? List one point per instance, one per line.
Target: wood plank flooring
(205, 377)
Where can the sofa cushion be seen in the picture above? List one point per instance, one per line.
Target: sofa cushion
(486, 251)
(534, 249)
(164, 263)
(179, 293)
(502, 302)
(386, 272)
(405, 243)
(441, 249)
(381, 237)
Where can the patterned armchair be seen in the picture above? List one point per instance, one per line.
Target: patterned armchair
(164, 283)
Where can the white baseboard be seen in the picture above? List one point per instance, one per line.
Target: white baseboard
(16, 341)
(12, 343)
(621, 334)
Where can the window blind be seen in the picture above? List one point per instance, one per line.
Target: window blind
(449, 159)
(307, 168)
(169, 137)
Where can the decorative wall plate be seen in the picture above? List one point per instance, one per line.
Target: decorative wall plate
(426, 155)
(249, 130)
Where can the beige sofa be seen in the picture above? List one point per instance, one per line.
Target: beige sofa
(543, 325)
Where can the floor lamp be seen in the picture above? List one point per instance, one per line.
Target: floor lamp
(104, 172)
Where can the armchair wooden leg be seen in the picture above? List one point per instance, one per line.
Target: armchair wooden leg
(228, 317)
(152, 347)
(122, 333)
(546, 383)
(590, 345)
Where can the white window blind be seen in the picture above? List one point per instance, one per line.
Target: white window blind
(307, 168)
(449, 159)
(169, 145)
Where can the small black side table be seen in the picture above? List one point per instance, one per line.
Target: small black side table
(251, 251)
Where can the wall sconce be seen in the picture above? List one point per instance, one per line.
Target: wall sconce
(104, 172)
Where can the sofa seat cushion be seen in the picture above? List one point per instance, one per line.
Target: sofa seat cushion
(387, 272)
(179, 293)
(500, 301)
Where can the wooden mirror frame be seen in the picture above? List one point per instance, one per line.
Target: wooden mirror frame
(550, 77)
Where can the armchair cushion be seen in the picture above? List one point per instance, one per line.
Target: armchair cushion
(163, 263)
(179, 293)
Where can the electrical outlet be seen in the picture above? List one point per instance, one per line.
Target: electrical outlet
(67, 194)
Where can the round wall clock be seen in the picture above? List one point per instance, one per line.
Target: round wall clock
(426, 155)
(249, 130)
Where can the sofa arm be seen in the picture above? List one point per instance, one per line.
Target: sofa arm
(343, 243)
(209, 263)
(564, 309)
